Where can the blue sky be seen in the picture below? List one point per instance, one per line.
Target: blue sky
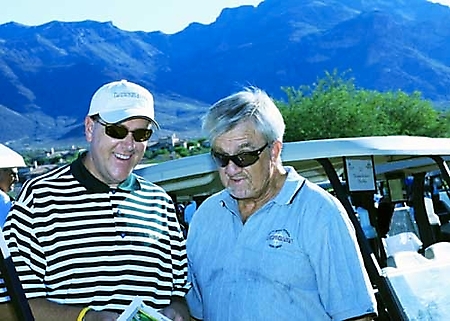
(168, 16)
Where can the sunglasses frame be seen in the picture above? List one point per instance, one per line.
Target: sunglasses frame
(222, 160)
(119, 128)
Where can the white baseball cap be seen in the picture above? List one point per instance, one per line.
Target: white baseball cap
(117, 101)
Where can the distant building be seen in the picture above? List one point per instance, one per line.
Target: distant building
(170, 142)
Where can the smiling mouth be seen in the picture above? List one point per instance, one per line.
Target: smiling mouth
(122, 156)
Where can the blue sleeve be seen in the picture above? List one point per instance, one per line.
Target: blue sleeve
(5, 206)
(193, 297)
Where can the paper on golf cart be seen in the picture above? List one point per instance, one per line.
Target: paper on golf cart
(138, 311)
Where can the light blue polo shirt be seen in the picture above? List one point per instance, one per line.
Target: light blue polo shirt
(296, 258)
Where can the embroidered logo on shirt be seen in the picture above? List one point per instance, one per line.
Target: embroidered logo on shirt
(276, 238)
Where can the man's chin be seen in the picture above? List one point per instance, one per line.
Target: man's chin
(237, 194)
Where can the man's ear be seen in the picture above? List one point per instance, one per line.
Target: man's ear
(277, 146)
(89, 128)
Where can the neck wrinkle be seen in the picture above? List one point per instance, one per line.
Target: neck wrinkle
(247, 207)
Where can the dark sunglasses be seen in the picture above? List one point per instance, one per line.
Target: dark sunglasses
(120, 132)
(243, 159)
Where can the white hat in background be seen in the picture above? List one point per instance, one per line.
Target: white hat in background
(120, 100)
(10, 158)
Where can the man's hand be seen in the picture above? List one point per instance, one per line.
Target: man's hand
(177, 310)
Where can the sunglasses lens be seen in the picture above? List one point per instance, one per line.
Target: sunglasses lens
(220, 159)
(141, 135)
(245, 159)
(242, 160)
(115, 131)
(120, 132)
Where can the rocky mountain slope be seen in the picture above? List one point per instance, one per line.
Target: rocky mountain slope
(49, 72)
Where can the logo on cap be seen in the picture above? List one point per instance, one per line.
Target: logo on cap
(128, 95)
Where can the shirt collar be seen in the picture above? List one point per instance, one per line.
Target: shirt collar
(291, 186)
(92, 184)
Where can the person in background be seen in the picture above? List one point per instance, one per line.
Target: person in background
(8, 177)
(271, 245)
(385, 211)
(363, 203)
(89, 237)
(189, 211)
(179, 207)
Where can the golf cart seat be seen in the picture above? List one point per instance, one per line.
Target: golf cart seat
(405, 241)
(407, 260)
(438, 252)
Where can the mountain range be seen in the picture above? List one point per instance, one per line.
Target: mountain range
(49, 72)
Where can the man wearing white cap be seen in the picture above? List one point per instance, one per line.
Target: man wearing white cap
(89, 237)
(10, 160)
(8, 176)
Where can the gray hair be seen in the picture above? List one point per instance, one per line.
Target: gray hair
(249, 104)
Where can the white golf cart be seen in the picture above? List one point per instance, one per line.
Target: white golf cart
(408, 263)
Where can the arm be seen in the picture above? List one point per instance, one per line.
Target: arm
(42, 309)
(45, 310)
(337, 260)
(177, 310)
(7, 312)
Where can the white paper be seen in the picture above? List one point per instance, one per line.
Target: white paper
(138, 311)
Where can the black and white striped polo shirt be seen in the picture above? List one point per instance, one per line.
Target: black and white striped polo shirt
(74, 240)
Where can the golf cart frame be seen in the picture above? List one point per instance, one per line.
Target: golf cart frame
(388, 157)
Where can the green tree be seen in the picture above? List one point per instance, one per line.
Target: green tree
(181, 151)
(333, 107)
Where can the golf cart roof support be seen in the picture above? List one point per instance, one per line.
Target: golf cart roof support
(369, 258)
(445, 172)
(426, 232)
(429, 234)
